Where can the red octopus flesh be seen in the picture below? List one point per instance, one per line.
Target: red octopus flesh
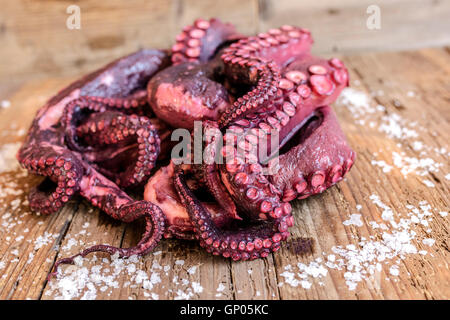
(109, 132)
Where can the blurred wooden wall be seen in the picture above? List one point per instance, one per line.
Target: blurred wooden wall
(35, 41)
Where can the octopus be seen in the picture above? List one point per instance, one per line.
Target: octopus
(111, 134)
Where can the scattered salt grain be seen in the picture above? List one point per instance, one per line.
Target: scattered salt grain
(197, 287)
(5, 104)
(192, 270)
(43, 240)
(220, 288)
(417, 145)
(386, 168)
(357, 102)
(418, 166)
(289, 278)
(428, 183)
(155, 296)
(396, 127)
(355, 219)
(394, 270)
(179, 262)
(428, 241)
(70, 243)
(362, 260)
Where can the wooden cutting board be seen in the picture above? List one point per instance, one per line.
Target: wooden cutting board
(396, 117)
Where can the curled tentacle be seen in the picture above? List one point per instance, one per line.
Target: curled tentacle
(121, 141)
(160, 190)
(78, 109)
(63, 172)
(209, 169)
(257, 61)
(264, 75)
(211, 176)
(326, 157)
(305, 85)
(239, 244)
(108, 197)
(200, 41)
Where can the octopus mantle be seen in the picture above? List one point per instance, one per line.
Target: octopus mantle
(109, 133)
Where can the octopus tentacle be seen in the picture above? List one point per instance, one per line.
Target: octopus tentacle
(252, 190)
(258, 59)
(211, 175)
(109, 198)
(133, 101)
(264, 75)
(58, 165)
(296, 101)
(116, 131)
(315, 173)
(200, 41)
(210, 172)
(160, 190)
(239, 244)
(73, 113)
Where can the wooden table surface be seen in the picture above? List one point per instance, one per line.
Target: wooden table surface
(382, 233)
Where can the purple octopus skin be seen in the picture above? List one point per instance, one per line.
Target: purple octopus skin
(109, 132)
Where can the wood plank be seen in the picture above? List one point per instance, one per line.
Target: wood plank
(37, 43)
(35, 37)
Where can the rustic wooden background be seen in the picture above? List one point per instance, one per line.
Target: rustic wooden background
(36, 43)
(39, 56)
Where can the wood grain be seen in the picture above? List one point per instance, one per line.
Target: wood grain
(340, 27)
(37, 44)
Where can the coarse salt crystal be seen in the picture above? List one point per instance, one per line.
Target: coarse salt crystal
(394, 271)
(428, 241)
(386, 168)
(221, 287)
(355, 219)
(428, 183)
(192, 270)
(5, 104)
